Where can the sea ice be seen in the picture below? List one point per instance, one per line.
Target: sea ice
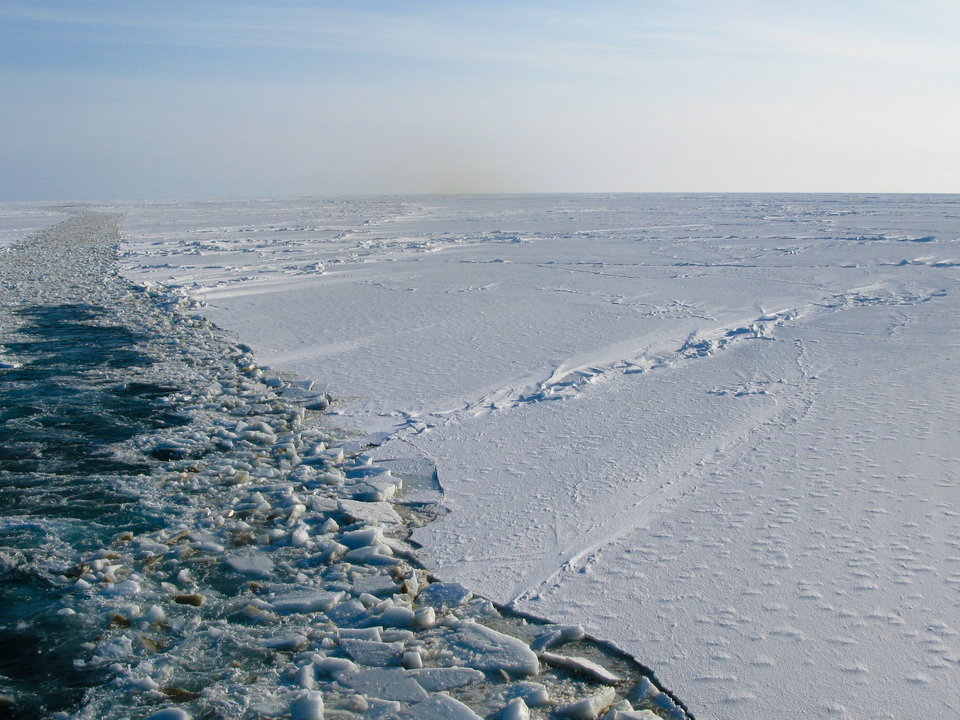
(715, 430)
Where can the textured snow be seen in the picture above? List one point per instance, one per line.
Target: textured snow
(19, 221)
(719, 431)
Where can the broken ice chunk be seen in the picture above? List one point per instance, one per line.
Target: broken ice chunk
(590, 707)
(371, 513)
(384, 683)
(635, 715)
(379, 585)
(169, 713)
(378, 555)
(318, 601)
(424, 618)
(307, 676)
(370, 633)
(439, 707)
(483, 648)
(582, 665)
(397, 616)
(440, 679)
(362, 538)
(442, 594)
(668, 708)
(371, 491)
(253, 565)
(347, 613)
(516, 709)
(556, 635)
(334, 666)
(294, 641)
(646, 691)
(308, 706)
(412, 659)
(127, 588)
(533, 694)
(371, 652)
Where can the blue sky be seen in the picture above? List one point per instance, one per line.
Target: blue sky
(129, 100)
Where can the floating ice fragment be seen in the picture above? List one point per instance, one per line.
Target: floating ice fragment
(154, 615)
(646, 691)
(372, 513)
(294, 641)
(368, 472)
(143, 683)
(379, 585)
(556, 635)
(170, 713)
(307, 676)
(424, 618)
(440, 707)
(632, 715)
(380, 555)
(385, 683)
(483, 648)
(372, 653)
(590, 707)
(412, 660)
(442, 594)
(115, 649)
(308, 706)
(397, 635)
(347, 613)
(362, 538)
(582, 665)
(533, 694)
(330, 550)
(516, 709)
(371, 492)
(668, 708)
(397, 616)
(318, 601)
(369, 633)
(253, 565)
(440, 679)
(334, 666)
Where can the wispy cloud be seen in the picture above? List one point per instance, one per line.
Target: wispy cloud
(612, 36)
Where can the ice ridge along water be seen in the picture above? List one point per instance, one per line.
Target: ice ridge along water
(180, 539)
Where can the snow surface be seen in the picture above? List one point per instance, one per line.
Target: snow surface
(719, 431)
(21, 220)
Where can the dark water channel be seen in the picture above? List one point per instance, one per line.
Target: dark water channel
(62, 414)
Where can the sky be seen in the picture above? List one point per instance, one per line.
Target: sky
(112, 100)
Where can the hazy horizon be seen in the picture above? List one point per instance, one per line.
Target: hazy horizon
(103, 101)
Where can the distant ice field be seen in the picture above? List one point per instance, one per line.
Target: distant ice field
(719, 431)
(20, 220)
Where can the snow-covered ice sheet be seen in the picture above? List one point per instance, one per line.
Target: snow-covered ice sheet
(720, 431)
(21, 220)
